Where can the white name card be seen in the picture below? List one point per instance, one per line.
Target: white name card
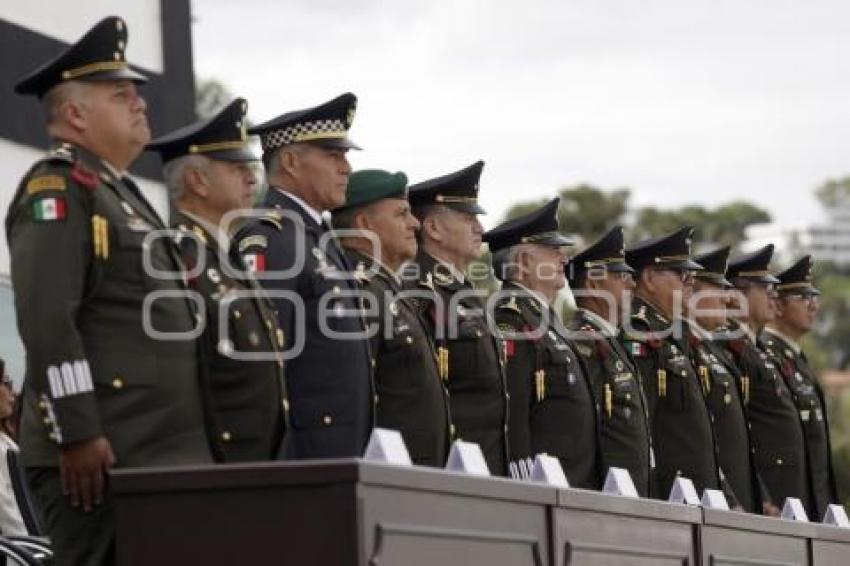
(793, 510)
(714, 499)
(836, 515)
(387, 446)
(467, 458)
(683, 491)
(547, 469)
(619, 482)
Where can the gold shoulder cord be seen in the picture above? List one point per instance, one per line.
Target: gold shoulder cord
(609, 400)
(443, 362)
(706, 379)
(540, 384)
(662, 382)
(100, 236)
(745, 388)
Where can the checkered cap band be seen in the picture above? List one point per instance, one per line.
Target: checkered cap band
(304, 131)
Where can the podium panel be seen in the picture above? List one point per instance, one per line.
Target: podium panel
(594, 529)
(343, 512)
(729, 538)
(831, 546)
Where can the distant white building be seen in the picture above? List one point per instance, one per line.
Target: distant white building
(831, 241)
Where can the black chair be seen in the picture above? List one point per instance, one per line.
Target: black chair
(15, 555)
(22, 495)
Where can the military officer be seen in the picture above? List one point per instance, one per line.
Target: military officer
(795, 316)
(552, 407)
(102, 388)
(207, 172)
(296, 257)
(600, 279)
(680, 422)
(775, 431)
(470, 355)
(720, 380)
(412, 398)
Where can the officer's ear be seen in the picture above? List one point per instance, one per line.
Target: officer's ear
(431, 227)
(647, 279)
(195, 181)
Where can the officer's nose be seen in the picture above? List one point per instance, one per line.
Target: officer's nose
(476, 225)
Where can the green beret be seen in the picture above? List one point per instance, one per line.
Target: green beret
(371, 185)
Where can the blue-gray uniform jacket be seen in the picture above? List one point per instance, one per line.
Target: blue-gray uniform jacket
(329, 381)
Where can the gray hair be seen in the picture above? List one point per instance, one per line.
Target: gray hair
(505, 265)
(56, 97)
(175, 173)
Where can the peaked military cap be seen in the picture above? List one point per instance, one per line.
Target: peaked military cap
(371, 185)
(97, 56)
(326, 124)
(670, 251)
(537, 227)
(221, 137)
(458, 190)
(714, 265)
(608, 253)
(798, 278)
(753, 266)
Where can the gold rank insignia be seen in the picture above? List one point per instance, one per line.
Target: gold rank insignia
(46, 183)
(745, 388)
(443, 362)
(100, 236)
(540, 384)
(706, 379)
(662, 383)
(609, 400)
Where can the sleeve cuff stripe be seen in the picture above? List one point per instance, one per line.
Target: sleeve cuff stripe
(70, 378)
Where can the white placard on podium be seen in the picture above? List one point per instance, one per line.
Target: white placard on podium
(683, 491)
(387, 446)
(619, 482)
(714, 499)
(793, 510)
(467, 458)
(547, 469)
(836, 515)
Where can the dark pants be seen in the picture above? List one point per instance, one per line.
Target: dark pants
(78, 538)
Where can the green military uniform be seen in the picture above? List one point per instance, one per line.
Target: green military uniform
(625, 439)
(681, 425)
(77, 236)
(777, 437)
(805, 392)
(245, 394)
(720, 381)
(471, 363)
(551, 403)
(553, 410)
(411, 396)
(471, 357)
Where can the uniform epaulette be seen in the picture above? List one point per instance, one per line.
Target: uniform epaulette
(510, 305)
(362, 273)
(61, 152)
(256, 240)
(585, 351)
(273, 218)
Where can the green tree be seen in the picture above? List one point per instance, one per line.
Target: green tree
(585, 209)
(834, 192)
(724, 225)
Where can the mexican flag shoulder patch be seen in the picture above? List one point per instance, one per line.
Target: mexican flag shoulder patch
(637, 349)
(48, 209)
(256, 263)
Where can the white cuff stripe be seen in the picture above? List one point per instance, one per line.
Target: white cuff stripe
(55, 381)
(70, 378)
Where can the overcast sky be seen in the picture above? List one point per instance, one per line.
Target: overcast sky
(683, 101)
